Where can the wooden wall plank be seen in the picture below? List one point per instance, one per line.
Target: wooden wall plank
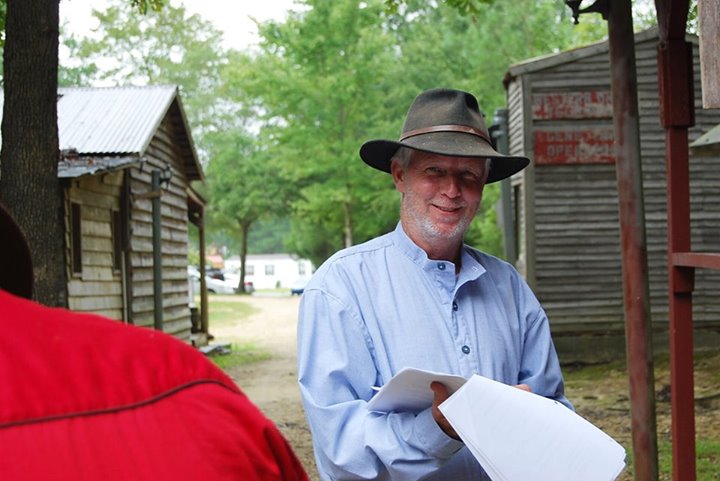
(575, 234)
(98, 288)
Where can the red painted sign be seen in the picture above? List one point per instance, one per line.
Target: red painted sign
(592, 104)
(587, 146)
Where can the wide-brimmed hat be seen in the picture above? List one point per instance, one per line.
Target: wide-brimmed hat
(446, 122)
(16, 271)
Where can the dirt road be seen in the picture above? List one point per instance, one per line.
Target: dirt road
(272, 384)
(600, 397)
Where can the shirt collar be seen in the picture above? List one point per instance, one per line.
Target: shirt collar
(470, 269)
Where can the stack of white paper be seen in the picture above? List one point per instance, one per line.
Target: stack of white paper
(517, 435)
(409, 390)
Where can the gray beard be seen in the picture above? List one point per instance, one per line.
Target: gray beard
(431, 231)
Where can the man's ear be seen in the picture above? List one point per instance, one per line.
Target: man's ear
(398, 175)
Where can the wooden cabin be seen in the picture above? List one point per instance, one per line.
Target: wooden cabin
(565, 205)
(127, 163)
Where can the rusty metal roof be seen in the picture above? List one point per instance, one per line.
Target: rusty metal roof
(104, 128)
(75, 166)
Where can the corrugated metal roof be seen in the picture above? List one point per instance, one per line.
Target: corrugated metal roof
(95, 124)
(114, 120)
(555, 59)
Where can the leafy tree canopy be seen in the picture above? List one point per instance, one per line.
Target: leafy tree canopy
(338, 73)
(287, 119)
(160, 46)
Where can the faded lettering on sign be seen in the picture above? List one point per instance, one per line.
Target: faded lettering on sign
(587, 146)
(591, 104)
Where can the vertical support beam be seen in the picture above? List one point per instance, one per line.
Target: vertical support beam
(676, 115)
(708, 17)
(638, 330)
(125, 210)
(528, 190)
(500, 135)
(157, 252)
(204, 319)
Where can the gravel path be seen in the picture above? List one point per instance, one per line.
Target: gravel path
(272, 384)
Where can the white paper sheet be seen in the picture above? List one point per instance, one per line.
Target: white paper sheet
(409, 390)
(517, 435)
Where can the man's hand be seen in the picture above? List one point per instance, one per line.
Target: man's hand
(441, 394)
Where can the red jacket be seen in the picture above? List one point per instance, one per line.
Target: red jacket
(83, 397)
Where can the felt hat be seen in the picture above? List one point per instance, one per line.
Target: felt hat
(16, 270)
(445, 122)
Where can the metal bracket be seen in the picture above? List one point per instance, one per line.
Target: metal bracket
(600, 6)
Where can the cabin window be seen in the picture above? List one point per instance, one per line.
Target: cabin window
(301, 268)
(249, 270)
(116, 241)
(76, 238)
(269, 269)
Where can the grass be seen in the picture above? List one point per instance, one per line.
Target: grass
(242, 354)
(707, 460)
(604, 387)
(224, 311)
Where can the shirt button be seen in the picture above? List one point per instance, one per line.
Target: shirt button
(441, 267)
(466, 349)
(455, 306)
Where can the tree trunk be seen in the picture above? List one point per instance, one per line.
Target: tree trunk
(244, 230)
(29, 186)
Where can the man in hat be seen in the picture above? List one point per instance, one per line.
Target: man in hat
(419, 297)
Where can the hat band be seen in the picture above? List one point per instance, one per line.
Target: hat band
(466, 129)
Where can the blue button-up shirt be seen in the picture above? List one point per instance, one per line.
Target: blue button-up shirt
(375, 308)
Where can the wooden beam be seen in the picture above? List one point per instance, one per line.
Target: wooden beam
(709, 33)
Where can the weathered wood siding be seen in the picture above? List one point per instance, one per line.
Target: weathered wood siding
(162, 151)
(98, 288)
(516, 146)
(577, 259)
(708, 17)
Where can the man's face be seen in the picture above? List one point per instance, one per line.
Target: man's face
(440, 196)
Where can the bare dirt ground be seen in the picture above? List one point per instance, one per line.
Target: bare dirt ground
(272, 384)
(600, 396)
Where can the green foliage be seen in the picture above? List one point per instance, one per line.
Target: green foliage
(339, 73)
(3, 15)
(317, 78)
(331, 76)
(161, 46)
(227, 313)
(223, 313)
(463, 6)
(142, 5)
(244, 184)
(473, 52)
(707, 462)
(269, 236)
(240, 355)
(193, 257)
(483, 232)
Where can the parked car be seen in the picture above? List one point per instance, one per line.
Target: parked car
(298, 286)
(215, 282)
(235, 279)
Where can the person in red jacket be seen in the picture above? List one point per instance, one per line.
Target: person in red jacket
(83, 397)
